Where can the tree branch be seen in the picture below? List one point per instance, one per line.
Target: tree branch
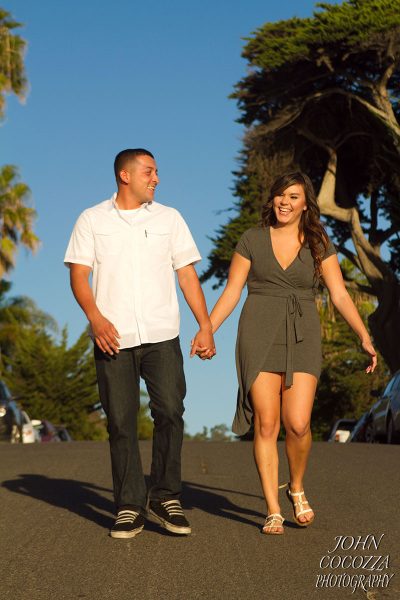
(382, 96)
(358, 287)
(344, 139)
(388, 118)
(374, 216)
(372, 264)
(381, 236)
(369, 259)
(353, 258)
(326, 196)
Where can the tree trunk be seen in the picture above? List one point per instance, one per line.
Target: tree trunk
(385, 321)
(384, 324)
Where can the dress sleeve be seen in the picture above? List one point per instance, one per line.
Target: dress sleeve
(330, 250)
(243, 246)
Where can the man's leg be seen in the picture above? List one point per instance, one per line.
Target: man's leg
(118, 380)
(162, 369)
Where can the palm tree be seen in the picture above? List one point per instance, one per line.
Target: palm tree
(12, 71)
(16, 218)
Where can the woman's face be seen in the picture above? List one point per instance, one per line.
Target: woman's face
(290, 204)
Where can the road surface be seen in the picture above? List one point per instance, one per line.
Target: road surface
(56, 508)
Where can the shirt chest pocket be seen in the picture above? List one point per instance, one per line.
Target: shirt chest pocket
(157, 242)
(107, 243)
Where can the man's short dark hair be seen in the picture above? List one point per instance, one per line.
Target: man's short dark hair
(127, 155)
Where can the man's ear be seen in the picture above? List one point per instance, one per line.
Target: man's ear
(124, 176)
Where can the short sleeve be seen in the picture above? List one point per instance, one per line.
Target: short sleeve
(243, 246)
(184, 249)
(330, 250)
(80, 249)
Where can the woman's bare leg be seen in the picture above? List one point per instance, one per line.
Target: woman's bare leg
(265, 394)
(297, 403)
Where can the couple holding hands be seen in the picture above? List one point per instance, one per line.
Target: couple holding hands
(133, 246)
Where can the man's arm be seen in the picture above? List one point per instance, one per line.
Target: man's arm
(105, 334)
(191, 288)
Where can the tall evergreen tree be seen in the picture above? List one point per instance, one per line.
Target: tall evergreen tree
(322, 94)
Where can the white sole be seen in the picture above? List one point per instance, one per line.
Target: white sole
(125, 534)
(168, 526)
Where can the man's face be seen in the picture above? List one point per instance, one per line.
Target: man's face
(141, 178)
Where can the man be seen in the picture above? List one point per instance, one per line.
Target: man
(133, 245)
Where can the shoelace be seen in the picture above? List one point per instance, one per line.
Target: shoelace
(173, 507)
(126, 516)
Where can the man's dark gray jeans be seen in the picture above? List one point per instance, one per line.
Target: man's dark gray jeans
(161, 366)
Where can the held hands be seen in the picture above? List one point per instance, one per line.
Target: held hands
(369, 349)
(203, 345)
(105, 334)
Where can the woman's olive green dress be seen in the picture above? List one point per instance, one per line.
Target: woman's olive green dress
(279, 327)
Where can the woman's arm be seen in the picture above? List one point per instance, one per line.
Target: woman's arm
(342, 301)
(238, 272)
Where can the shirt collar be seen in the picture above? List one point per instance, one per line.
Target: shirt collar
(113, 203)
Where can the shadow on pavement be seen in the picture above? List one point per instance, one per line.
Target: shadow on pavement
(199, 496)
(79, 497)
(86, 499)
(196, 495)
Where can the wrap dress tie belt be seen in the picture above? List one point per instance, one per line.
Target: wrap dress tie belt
(294, 314)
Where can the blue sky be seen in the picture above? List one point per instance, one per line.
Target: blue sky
(106, 76)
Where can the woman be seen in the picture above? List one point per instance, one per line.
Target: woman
(278, 351)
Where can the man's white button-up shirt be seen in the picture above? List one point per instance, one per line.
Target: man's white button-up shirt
(134, 256)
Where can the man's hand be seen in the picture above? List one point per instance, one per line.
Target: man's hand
(203, 345)
(105, 334)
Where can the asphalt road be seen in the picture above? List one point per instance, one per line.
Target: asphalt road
(56, 508)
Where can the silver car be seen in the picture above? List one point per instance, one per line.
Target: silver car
(385, 413)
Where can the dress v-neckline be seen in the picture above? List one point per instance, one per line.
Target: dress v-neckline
(274, 255)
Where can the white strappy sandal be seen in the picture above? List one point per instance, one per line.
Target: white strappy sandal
(272, 521)
(299, 504)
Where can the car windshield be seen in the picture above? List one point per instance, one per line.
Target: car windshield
(343, 426)
(396, 384)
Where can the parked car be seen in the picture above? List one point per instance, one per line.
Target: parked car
(10, 416)
(64, 434)
(362, 430)
(385, 413)
(341, 430)
(47, 431)
(29, 435)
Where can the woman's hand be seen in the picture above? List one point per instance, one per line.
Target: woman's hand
(369, 349)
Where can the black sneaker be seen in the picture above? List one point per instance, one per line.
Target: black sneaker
(128, 524)
(170, 515)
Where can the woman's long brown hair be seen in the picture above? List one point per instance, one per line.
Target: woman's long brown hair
(311, 231)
